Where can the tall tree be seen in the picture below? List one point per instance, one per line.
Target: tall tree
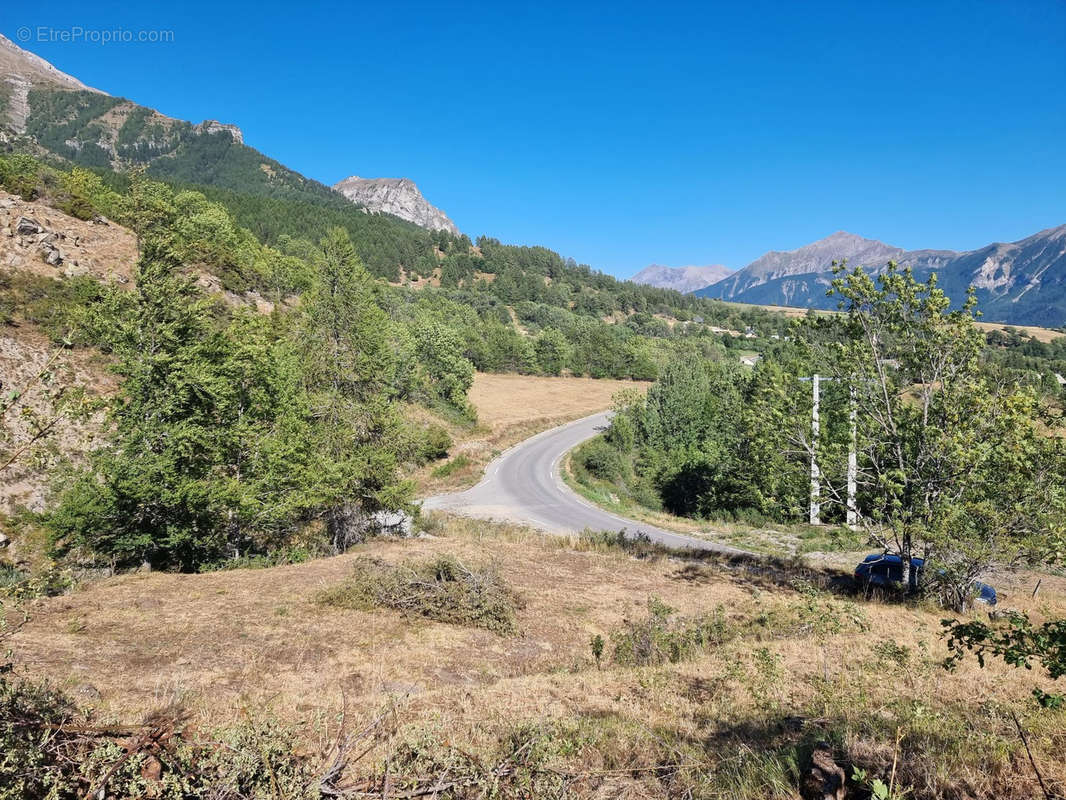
(952, 466)
(206, 434)
(349, 370)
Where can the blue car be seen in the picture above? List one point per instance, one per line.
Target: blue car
(886, 569)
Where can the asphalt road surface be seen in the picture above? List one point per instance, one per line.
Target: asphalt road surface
(524, 485)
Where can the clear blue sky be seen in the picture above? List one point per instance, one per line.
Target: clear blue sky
(625, 134)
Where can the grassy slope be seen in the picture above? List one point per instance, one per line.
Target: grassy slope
(796, 667)
(231, 642)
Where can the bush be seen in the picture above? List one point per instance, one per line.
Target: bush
(10, 575)
(20, 174)
(638, 545)
(663, 636)
(621, 434)
(456, 464)
(293, 554)
(435, 443)
(600, 460)
(444, 589)
(84, 195)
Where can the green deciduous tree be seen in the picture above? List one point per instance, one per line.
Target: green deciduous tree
(450, 373)
(551, 351)
(952, 465)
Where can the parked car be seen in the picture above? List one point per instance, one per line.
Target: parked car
(886, 569)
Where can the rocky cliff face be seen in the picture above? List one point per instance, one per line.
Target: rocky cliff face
(21, 71)
(681, 279)
(397, 196)
(214, 126)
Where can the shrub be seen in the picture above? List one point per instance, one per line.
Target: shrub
(84, 195)
(30, 586)
(447, 468)
(10, 575)
(663, 636)
(638, 545)
(53, 750)
(20, 174)
(443, 589)
(435, 443)
(293, 554)
(621, 434)
(600, 460)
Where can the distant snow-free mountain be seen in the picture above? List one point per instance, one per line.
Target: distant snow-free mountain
(1022, 282)
(681, 279)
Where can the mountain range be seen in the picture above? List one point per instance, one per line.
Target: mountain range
(51, 114)
(681, 279)
(48, 112)
(1021, 282)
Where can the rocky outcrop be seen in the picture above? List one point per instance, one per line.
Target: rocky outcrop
(681, 279)
(40, 239)
(214, 126)
(397, 196)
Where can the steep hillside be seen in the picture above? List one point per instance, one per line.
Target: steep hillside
(21, 71)
(681, 279)
(397, 196)
(1023, 281)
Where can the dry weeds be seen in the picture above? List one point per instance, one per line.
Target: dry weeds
(227, 642)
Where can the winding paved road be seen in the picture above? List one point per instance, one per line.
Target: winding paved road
(525, 485)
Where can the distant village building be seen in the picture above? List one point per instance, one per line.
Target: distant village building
(750, 361)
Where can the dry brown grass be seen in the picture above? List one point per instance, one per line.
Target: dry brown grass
(1040, 334)
(505, 400)
(511, 408)
(232, 642)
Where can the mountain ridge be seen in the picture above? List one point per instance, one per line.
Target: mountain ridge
(682, 279)
(1021, 282)
(44, 109)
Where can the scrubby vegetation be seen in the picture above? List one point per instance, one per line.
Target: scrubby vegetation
(443, 590)
(723, 684)
(663, 637)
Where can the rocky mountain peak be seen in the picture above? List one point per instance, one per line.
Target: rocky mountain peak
(681, 279)
(214, 126)
(397, 196)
